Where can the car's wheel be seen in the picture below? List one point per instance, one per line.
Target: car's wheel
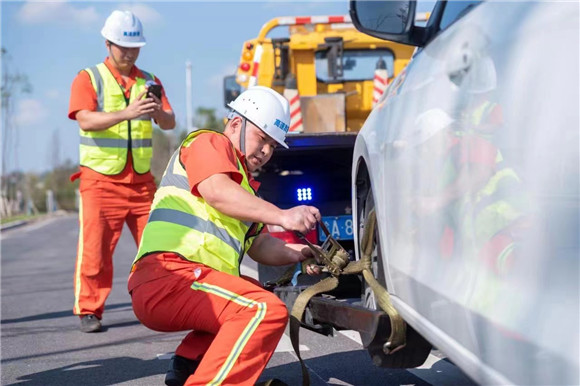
(417, 348)
(368, 296)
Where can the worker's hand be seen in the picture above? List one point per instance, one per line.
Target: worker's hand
(312, 267)
(157, 108)
(142, 106)
(301, 218)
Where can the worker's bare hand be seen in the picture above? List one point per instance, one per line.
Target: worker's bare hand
(312, 267)
(301, 218)
(157, 108)
(141, 107)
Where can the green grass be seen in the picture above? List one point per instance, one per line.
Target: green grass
(6, 220)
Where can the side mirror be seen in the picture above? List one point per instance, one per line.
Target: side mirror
(388, 20)
(231, 89)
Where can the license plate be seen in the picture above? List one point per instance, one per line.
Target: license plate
(340, 227)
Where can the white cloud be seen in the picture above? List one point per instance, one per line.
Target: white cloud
(148, 15)
(57, 12)
(63, 12)
(30, 112)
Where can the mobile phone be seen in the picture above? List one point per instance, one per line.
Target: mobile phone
(154, 89)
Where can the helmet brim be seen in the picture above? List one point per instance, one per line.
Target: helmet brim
(129, 44)
(122, 43)
(282, 143)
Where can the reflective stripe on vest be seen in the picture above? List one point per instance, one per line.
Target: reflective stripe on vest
(113, 142)
(500, 202)
(106, 151)
(481, 112)
(182, 223)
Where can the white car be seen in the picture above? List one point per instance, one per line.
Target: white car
(471, 162)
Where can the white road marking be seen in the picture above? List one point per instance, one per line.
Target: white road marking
(285, 345)
(165, 356)
(336, 381)
(353, 335)
(82, 367)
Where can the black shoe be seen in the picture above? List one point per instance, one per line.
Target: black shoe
(90, 323)
(179, 370)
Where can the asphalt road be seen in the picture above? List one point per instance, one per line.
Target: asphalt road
(41, 343)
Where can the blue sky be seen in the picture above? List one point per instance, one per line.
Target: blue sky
(51, 41)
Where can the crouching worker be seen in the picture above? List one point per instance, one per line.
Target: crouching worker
(204, 217)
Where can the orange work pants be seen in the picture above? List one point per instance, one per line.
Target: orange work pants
(103, 210)
(236, 323)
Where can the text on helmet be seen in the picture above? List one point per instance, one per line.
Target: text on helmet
(281, 125)
(131, 33)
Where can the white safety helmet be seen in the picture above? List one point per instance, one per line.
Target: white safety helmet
(266, 109)
(124, 29)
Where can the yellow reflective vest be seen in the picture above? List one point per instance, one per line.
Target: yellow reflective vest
(182, 223)
(106, 151)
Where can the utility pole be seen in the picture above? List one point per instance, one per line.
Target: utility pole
(188, 106)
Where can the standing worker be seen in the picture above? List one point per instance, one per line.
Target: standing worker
(205, 217)
(114, 114)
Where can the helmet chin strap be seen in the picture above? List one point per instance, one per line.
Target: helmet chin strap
(243, 139)
(111, 53)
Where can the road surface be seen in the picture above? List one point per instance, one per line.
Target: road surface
(41, 343)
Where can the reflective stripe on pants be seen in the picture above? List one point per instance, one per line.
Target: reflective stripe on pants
(237, 324)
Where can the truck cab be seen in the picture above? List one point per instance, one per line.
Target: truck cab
(320, 56)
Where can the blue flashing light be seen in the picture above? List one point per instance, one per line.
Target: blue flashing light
(304, 194)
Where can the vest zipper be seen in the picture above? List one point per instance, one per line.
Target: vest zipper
(129, 147)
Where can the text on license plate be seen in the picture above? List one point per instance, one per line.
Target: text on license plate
(340, 227)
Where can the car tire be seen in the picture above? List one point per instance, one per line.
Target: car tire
(417, 348)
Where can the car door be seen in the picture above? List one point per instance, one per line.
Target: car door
(478, 173)
(419, 108)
